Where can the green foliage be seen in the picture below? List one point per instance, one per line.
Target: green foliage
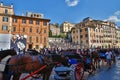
(57, 25)
(50, 33)
(55, 36)
(62, 35)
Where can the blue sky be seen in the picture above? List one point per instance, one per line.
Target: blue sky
(73, 11)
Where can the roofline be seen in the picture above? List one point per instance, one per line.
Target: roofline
(6, 7)
(30, 17)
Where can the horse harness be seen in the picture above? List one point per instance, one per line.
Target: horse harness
(4, 60)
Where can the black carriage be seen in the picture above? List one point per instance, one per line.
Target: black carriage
(80, 63)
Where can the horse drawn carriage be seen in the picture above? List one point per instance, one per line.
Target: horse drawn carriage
(42, 64)
(78, 63)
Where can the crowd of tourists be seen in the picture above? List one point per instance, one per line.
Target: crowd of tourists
(106, 54)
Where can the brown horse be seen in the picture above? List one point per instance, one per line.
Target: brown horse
(5, 53)
(26, 64)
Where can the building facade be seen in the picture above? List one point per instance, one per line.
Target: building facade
(66, 27)
(118, 36)
(33, 25)
(6, 13)
(55, 30)
(95, 33)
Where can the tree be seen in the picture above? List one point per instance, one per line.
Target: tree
(62, 35)
(56, 24)
(50, 33)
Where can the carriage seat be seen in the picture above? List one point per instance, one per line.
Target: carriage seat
(62, 73)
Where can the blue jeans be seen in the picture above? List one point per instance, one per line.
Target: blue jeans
(108, 61)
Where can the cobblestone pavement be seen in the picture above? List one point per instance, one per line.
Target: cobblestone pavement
(107, 74)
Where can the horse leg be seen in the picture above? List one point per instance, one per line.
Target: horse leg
(44, 76)
(47, 74)
(98, 63)
(16, 76)
(95, 63)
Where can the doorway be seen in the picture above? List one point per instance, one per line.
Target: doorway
(30, 46)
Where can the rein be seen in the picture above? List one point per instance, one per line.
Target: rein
(37, 71)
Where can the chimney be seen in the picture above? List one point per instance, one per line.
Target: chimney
(11, 5)
(1, 4)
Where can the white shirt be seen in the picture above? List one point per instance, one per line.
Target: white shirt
(108, 55)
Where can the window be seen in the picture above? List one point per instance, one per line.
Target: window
(31, 15)
(44, 40)
(5, 19)
(37, 46)
(30, 29)
(36, 30)
(23, 29)
(80, 30)
(77, 37)
(23, 20)
(97, 36)
(86, 29)
(86, 41)
(4, 27)
(6, 11)
(30, 21)
(30, 39)
(44, 31)
(14, 29)
(34, 15)
(14, 20)
(73, 31)
(37, 15)
(97, 41)
(81, 36)
(86, 35)
(45, 23)
(37, 22)
(36, 39)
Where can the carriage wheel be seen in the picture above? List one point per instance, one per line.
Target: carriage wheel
(79, 71)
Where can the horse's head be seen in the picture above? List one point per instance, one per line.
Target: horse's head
(12, 52)
(8, 52)
(59, 59)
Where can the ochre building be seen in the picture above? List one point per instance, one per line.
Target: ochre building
(95, 33)
(33, 25)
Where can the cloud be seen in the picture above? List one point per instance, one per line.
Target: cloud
(114, 17)
(72, 3)
(117, 13)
